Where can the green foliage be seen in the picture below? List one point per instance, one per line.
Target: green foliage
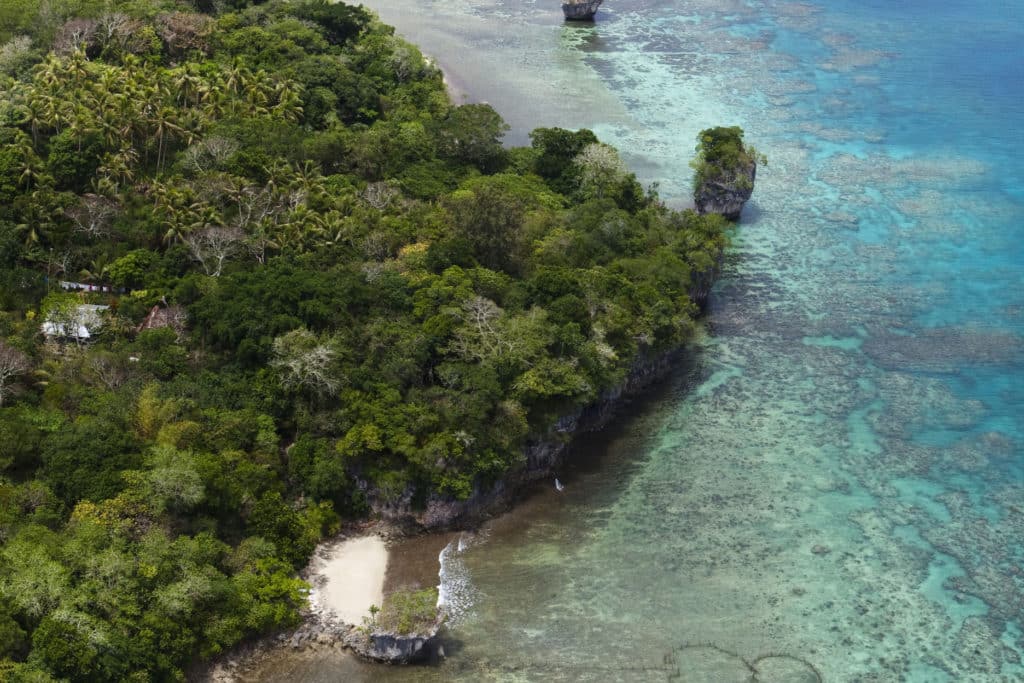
(132, 269)
(285, 527)
(13, 639)
(721, 146)
(159, 353)
(490, 219)
(320, 471)
(471, 134)
(360, 295)
(245, 311)
(85, 457)
(407, 611)
(11, 168)
(721, 153)
(20, 439)
(341, 23)
(557, 150)
(73, 159)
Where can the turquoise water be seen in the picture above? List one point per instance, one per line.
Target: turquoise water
(832, 489)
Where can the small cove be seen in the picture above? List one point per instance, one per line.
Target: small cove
(837, 475)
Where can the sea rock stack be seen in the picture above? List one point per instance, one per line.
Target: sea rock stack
(725, 169)
(580, 10)
(726, 194)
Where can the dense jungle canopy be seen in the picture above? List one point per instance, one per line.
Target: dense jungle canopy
(256, 272)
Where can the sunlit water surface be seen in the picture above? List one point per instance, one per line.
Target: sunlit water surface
(832, 488)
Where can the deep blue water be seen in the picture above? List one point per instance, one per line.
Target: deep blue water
(838, 478)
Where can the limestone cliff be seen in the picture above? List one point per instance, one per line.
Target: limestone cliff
(726, 192)
(541, 455)
(725, 170)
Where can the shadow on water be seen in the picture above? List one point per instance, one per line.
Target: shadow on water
(591, 454)
(752, 213)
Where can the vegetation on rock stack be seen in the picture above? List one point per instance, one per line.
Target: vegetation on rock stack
(254, 265)
(724, 171)
(721, 154)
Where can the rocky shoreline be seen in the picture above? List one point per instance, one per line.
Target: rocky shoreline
(322, 630)
(320, 633)
(542, 455)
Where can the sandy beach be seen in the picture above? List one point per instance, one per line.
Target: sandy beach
(348, 577)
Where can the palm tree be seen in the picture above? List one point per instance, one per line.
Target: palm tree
(35, 115)
(256, 91)
(306, 178)
(301, 229)
(125, 111)
(97, 269)
(164, 126)
(289, 101)
(77, 65)
(109, 80)
(31, 232)
(54, 111)
(130, 64)
(189, 84)
(334, 231)
(49, 73)
(168, 203)
(215, 105)
(116, 170)
(81, 123)
(33, 171)
(110, 127)
(38, 218)
(237, 77)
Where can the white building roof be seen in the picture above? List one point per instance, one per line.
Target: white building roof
(88, 319)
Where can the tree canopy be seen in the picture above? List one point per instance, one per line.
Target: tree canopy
(321, 286)
(722, 155)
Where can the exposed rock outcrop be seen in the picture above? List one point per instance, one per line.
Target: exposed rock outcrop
(542, 455)
(322, 629)
(580, 10)
(393, 648)
(726, 192)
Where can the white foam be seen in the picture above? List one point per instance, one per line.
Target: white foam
(455, 591)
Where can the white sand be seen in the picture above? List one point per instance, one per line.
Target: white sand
(349, 577)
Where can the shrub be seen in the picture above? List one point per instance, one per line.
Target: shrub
(721, 153)
(408, 610)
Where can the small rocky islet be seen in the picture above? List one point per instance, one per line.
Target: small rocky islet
(581, 10)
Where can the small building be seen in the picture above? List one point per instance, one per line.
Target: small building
(80, 323)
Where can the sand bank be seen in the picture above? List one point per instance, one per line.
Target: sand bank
(348, 577)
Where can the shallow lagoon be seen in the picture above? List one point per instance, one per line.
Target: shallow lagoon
(833, 486)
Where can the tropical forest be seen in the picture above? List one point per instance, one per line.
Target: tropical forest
(259, 274)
